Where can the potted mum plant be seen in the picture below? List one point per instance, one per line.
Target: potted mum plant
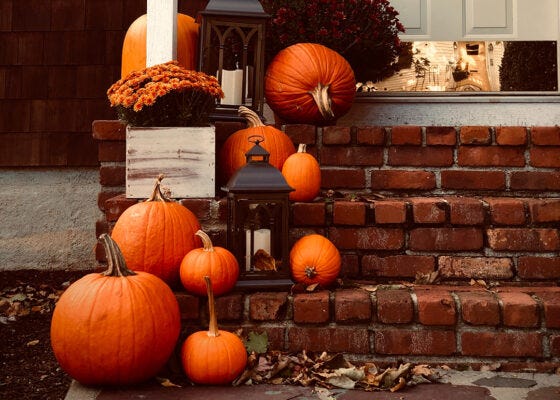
(166, 108)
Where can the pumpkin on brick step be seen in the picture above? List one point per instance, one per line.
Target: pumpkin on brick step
(213, 357)
(308, 83)
(216, 262)
(134, 45)
(276, 142)
(302, 172)
(115, 328)
(314, 260)
(154, 235)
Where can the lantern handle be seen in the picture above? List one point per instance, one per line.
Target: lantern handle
(256, 139)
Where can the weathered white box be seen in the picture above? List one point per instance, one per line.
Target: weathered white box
(185, 155)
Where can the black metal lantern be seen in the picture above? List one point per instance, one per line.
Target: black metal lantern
(232, 45)
(257, 226)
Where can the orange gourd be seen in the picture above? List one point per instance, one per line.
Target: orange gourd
(115, 328)
(216, 262)
(134, 45)
(308, 83)
(154, 235)
(302, 172)
(213, 357)
(276, 142)
(314, 259)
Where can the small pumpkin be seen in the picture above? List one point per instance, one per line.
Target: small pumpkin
(276, 142)
(154, 235)
(134, 45)
(308, 83)
(314, 259)
(216, 262)
(115, 328)
(302, 172)
(213, 357)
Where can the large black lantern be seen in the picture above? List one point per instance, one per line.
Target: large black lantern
(257, 226)
(232, 45)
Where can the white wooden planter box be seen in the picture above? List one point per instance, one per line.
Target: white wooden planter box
(186, 156)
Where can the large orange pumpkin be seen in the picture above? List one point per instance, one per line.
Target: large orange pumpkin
(134, 45)
(276, 142)
(154, 235)
(115, 328)
(314, 259)
(302, 172)
(213, 357)
(308, 83)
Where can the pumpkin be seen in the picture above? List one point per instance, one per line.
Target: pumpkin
(314, 259)
(302, 172)
(276, 142)
(213, 357)
(308, 83)
(154, 235)
(117, 327)
(134, 45)
(216, 262)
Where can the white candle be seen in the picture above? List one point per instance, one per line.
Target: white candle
(232, 85)
(261, 240)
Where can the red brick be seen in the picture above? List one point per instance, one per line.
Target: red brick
(370, 135)
(101, 226)
(305, 214)
(311, 308)
(351, 155)
(229, 307)
(519, 310)
(369, 238)
(475, 267)
(189, 306)
(420, 156)
(350, 266)
(201, 208)
(353, 340)
(465, 211)
(408, 342)
(106, 194)
(545, 135)
(301, 133)
(544, 210)
(551, 305)
(427, 210)
(475, 135)
(394, 306)
(352, 306)
(402, 180)
(435, 307)
(534, 180)
(390, 211)
(406, 135)
(511, 135)
(505, 211)
(530, 267)
(445, 239)
(109, 130)
(349, 213)
(336, 135)
(115, 206)
(502, 344)
(555, 345)
(490, 156)
(268, 306)
(348, 178)
(479, 308)
(473, 180)
(544, 157)
(441, 136)
(518, 239)
(399, 266)
(111, 151)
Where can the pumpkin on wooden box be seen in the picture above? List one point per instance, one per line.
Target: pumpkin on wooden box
(302, 172)
(314, 259)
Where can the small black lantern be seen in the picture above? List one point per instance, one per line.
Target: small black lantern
(257, 226)
(232, 45)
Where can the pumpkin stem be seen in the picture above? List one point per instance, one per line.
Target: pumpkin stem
(301, 148)
(323, 100)
(157, 193)
(206, 241)
(116, 264)
(310, 272)
(250, 116)
(213, 323)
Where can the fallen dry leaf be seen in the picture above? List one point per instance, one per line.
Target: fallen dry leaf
(32, 343)
(264, 261)
(166, 382)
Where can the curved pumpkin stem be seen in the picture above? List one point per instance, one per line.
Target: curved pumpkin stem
(323, 100)
(213, 323)
(250, 116)
(157, 193)
(206, 241)
(116, 264)
(301, 148)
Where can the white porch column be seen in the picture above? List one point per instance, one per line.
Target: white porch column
(161, 31)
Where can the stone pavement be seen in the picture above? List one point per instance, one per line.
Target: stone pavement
(455, 385)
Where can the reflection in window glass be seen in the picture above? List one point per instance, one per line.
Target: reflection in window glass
(482, 66)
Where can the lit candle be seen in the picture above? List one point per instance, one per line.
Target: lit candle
(232, 84)
(261, 240)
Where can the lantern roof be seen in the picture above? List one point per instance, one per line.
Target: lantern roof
(235, 7)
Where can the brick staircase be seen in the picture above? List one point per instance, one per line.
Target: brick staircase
(449, 239)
